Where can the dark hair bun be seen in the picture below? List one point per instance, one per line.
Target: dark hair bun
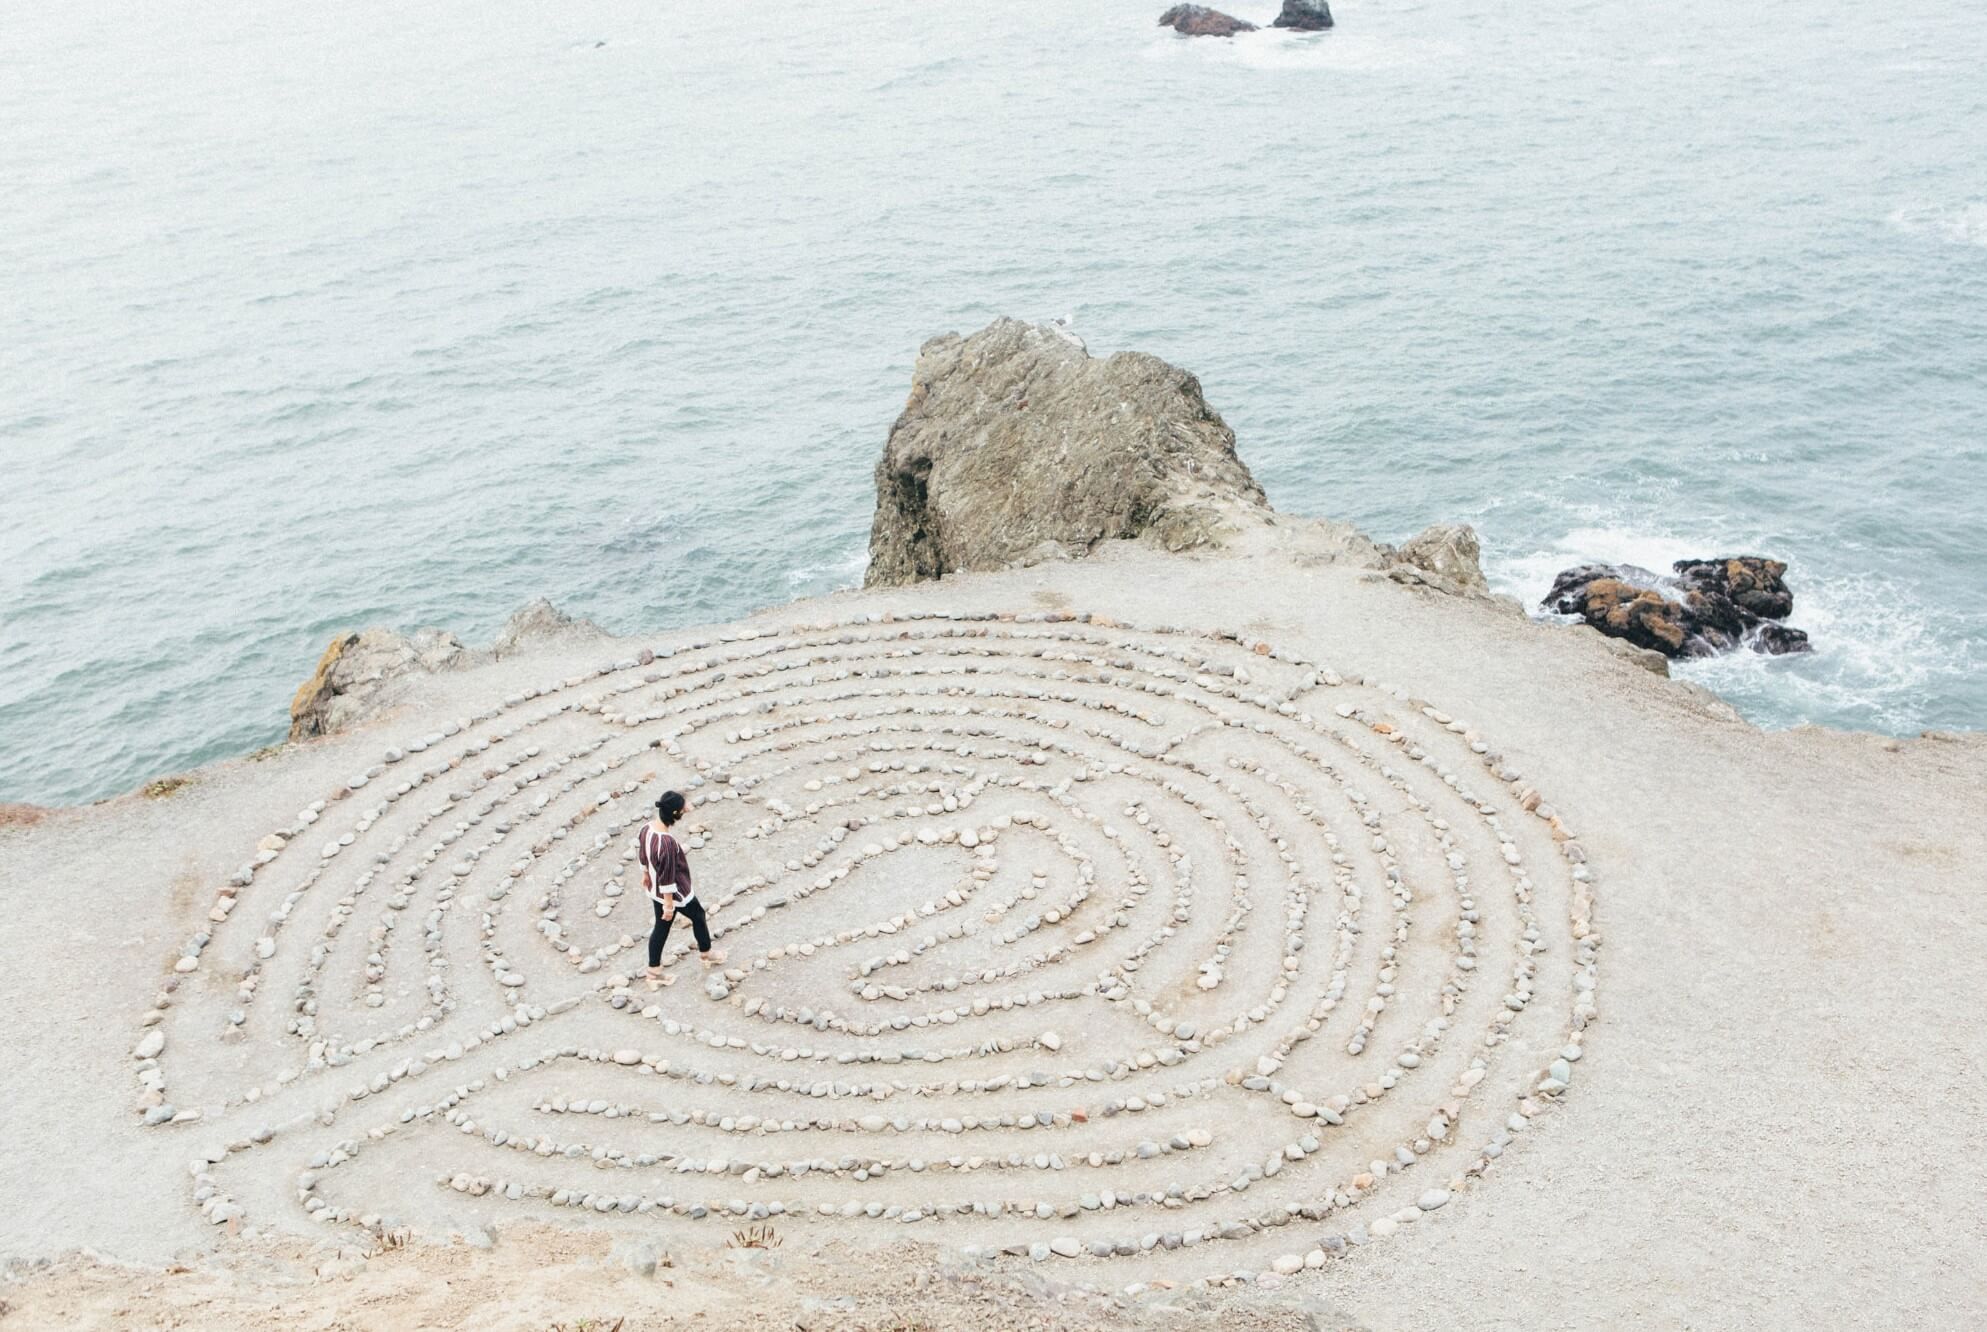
(671, 806)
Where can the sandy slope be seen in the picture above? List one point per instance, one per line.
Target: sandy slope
(1773, 1127)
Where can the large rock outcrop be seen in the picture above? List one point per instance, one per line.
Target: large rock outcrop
(355, 677)
(1200, 21)
(1018, 446)
(1304, 16)
(1705, 607)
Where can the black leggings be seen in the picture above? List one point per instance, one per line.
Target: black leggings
(660, 934)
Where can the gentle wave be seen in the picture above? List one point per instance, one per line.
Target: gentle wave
(1962, 224)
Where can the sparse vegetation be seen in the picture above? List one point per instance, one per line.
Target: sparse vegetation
(590, 1325)
(166, 786)
(754, 1237)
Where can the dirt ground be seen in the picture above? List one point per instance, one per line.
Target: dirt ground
(1775, 1124)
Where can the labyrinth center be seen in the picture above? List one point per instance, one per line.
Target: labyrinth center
(1046, 937)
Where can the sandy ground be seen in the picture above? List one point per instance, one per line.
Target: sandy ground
(1773, 1123)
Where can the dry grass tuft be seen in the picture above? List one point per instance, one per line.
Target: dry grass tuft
(754, 1237)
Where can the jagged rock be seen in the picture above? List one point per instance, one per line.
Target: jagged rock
(356, 675)
(1755, 585)
(1200, 21)
(1017, 445)
(1449, 557)
(541, 620)
(354, 671)
(1304, 16)
(1707, 607)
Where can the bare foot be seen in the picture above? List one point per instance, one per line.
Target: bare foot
(657, 979)
(712, 958)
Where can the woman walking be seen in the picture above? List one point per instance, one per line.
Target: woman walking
(666, 877)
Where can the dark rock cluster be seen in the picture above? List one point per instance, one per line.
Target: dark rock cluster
(1200, 21)
(1704, 607)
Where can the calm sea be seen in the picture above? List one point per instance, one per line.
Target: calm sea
(322, 316)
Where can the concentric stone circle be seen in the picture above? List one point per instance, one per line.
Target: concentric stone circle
(1048, 938)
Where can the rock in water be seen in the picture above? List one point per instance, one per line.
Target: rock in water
(1304, 16)
(541, 620)
(1756, 586)
(354, 670)
(1707, 607)
(1017, 446)
(1200, 21)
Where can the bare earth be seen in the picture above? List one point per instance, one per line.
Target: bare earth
(1480, 976)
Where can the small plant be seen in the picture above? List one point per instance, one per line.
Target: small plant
(754, 1237)
(166, 786)
(590, 1325)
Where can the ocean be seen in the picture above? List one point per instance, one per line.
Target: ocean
(320, 317)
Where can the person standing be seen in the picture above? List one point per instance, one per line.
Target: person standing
(666, 877)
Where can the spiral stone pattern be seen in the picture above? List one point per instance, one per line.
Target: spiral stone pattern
(1048, 938)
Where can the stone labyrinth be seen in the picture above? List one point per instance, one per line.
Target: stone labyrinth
(1149, 952)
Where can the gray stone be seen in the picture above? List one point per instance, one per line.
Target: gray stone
(1017, 445)
(541, 621)
(1447, 556)
(353, 677)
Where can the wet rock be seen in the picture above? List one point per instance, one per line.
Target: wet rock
(1705, 607)
(1756, 586)
(1304, 16)
(1200, 21)
(1018, 446)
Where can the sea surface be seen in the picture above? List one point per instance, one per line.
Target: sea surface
(314, 317)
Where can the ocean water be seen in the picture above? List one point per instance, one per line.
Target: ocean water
(318, 317)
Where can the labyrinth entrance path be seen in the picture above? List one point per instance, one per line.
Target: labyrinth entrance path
(1133, 951)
